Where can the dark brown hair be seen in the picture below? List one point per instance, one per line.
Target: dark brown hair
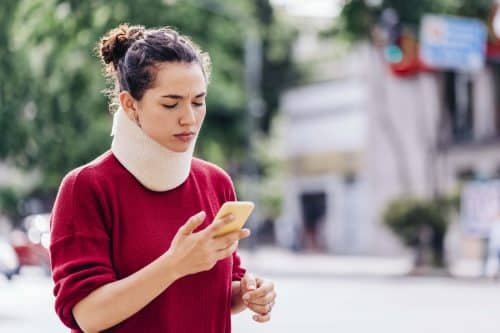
(130, 55)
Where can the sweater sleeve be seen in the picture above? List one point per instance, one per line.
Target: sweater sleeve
(80, 244)
(230, 195)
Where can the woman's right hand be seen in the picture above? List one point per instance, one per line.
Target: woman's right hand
(196, 252)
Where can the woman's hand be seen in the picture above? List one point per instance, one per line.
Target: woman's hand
(200, 251)
(259, 296)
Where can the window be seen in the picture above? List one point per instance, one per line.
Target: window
(313, 214)
(495, 67)
(459, 100)
(466, 174)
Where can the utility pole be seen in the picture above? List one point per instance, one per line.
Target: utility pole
(255, 109)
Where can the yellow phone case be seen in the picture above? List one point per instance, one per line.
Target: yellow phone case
(241, 211)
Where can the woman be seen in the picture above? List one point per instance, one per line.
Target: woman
(133, 246)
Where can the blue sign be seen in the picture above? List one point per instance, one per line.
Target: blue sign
(448, 42)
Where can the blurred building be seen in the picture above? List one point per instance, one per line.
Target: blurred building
(331, 200)
(324, 131)
(324, 137)
(361, 133)
(429, 132)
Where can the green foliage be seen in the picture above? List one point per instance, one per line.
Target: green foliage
(13, 125)
(411, 11)
(278, 71)
(357, 18)
(53, 113)
(477, 8)
(407, 217)
(271, 185)
(421, 224)
(9, 202)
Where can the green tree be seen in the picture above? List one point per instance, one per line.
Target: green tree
(422, 226)
(358, 17)
(278, 71)
(54, 115)
(14, 88)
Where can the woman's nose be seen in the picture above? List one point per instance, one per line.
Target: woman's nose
(188, 117)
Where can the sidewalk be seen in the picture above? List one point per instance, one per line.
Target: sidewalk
(282, 262)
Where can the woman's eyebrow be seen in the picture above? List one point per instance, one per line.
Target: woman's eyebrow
(181, 97)
(173, 96)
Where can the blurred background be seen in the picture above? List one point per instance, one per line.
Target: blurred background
(367, 132)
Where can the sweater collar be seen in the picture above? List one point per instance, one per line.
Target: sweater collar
(153, 165)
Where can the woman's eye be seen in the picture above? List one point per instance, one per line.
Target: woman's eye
(198, 104)
(172, 106)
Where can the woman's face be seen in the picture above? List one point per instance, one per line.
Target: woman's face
(172, 110)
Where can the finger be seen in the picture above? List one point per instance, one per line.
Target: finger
(259, 281)
(231, 245)
(259, 309)
(225, 241)
(248, 283)
(262, 318)
(221, 243)
(266, 299)
(218, 224)
(193, 222)
(222, 254)
(244, 233)
(265, 288)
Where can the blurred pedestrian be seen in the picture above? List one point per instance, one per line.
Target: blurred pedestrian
(133, 245)
(494, 247)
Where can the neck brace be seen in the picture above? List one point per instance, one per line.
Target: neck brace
(153, 165)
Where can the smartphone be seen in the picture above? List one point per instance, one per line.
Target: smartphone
(241, 211)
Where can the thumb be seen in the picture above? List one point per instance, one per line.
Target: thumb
(193, 222)
(248, 282)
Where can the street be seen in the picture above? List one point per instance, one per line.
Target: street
(391, 305)
(320, 304)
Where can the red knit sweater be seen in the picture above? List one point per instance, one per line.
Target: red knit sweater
(106, 226)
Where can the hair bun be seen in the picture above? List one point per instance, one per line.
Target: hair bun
(114, 45)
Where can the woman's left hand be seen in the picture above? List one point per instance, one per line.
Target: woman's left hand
(259, 296)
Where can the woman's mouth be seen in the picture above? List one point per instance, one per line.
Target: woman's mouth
(185, 137)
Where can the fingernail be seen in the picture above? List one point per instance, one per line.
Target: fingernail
(246, 298)
(256, 318)
(201, 214)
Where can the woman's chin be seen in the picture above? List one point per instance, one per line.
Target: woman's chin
(180, 147)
